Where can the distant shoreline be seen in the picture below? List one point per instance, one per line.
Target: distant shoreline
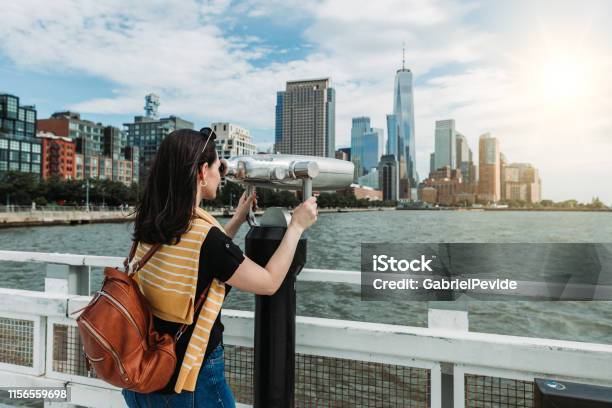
(552, 209)
(39, 218)
(44, 218)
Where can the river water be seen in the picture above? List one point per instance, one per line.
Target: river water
(334, 243)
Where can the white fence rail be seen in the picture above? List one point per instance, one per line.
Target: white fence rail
(444, 350)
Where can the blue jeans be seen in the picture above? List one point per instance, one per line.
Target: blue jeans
(212, 391)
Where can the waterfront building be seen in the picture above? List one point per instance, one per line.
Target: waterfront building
(87, 135)
(428, 194)
(131, 166)
(100, 150)
(58, 156)
(401, 132)
(308, 118)
(361, 192)
(20, 149)
(489, 183)
(388, 177)
(17, 121)
(19, 155)
(446, 182)
(147, 132)
(445, 144)
(530, 176)
(232, 140)
(521, 182)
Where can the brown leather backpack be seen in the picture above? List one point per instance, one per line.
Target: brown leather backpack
(119, 339)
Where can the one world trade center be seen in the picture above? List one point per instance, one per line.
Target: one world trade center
(400, 130)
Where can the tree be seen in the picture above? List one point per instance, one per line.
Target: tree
(547, 203)
(596, 203)
(20, 187)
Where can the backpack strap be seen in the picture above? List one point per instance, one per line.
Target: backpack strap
(127, 260)
(131, 268)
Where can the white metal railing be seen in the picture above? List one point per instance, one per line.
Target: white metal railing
(445, 348)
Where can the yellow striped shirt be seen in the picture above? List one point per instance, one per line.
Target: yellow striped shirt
(169, 281)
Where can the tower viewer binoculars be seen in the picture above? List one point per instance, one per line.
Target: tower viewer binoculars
(287, 171)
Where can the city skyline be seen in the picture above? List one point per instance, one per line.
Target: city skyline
(532, 78)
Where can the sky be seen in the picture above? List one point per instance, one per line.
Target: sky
(533, 74)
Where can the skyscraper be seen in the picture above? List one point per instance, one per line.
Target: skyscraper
(308, 118)
(400, 130)
(489, 186)
(278, 129)
(360, 126)
(464, 160)
(373, 148)
(462, 149)
(446, 144)
(367, 146)
(387, 176)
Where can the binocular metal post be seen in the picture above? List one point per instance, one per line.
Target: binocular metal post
(274, 378)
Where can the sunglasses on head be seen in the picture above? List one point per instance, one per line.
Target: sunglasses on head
(207, 133)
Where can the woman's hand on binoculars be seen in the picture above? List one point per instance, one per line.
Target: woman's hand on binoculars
(305, 214)
(246, 202)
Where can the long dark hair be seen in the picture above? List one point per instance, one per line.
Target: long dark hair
(165, 210)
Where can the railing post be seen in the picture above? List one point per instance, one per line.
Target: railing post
(72, 279)
(450, 315)
(79, 280)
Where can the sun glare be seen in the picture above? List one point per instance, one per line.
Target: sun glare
(562, 78)
(559, 74)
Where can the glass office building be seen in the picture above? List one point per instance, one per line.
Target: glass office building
(373, 141)
(20, 150)
(359, 127)
(445, 144)
(278, 129)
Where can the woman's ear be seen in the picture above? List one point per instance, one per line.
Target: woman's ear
(203, 170)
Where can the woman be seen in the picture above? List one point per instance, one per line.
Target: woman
(198, 252)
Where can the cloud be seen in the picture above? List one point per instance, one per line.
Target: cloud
(206, 69)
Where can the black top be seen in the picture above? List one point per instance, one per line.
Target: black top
(219, 258)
